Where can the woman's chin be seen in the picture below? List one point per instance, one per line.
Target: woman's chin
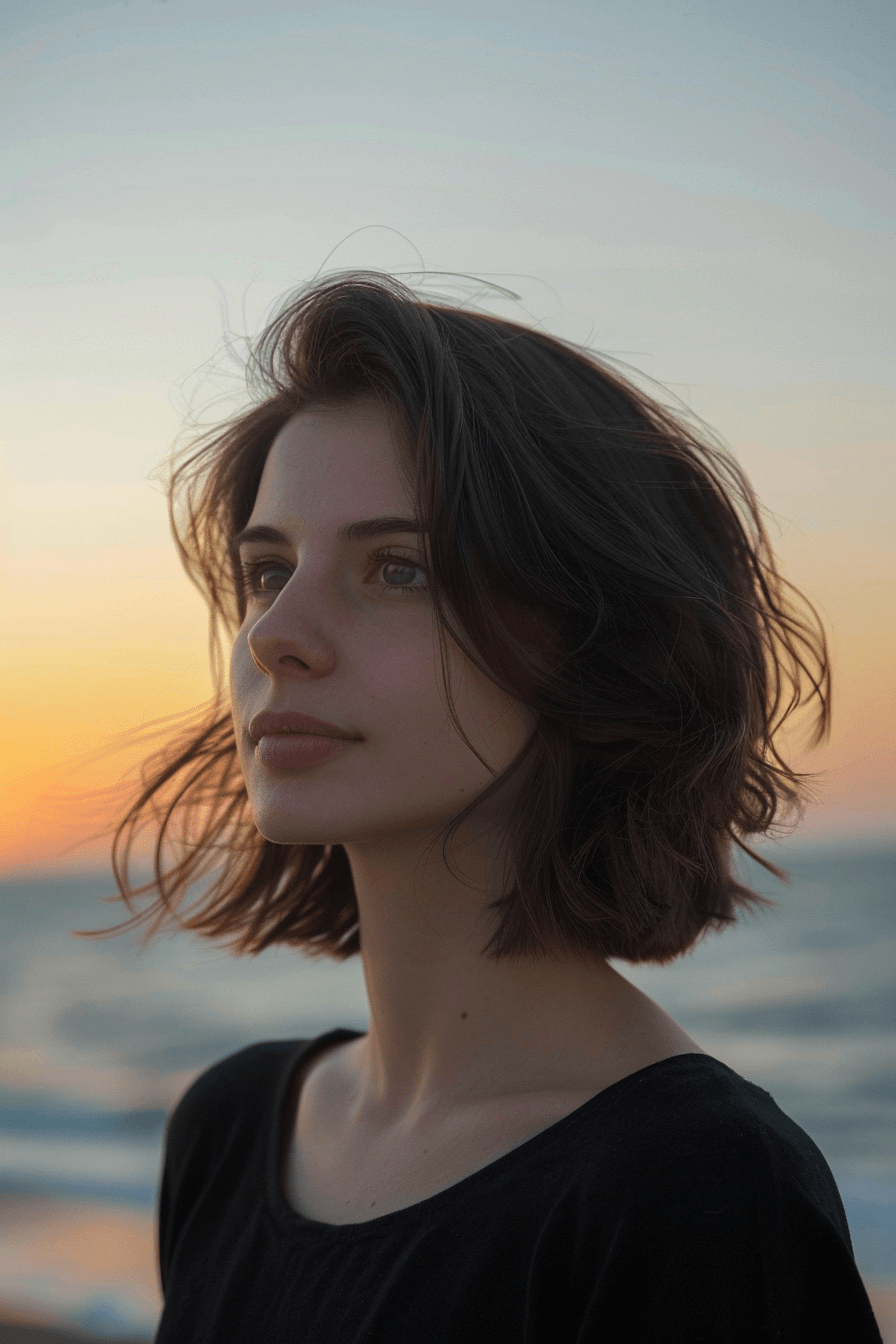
(285, 832)
(282, 828)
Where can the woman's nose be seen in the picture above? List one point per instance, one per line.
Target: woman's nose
(287, 640)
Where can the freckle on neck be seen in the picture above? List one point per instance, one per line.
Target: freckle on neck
(463, 1014)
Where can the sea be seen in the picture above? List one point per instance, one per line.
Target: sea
(98, 1039)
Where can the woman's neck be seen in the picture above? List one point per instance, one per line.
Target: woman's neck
(449, 1025)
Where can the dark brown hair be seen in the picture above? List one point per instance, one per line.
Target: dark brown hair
(603, 561)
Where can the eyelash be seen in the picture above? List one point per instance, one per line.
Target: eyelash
(251, 571)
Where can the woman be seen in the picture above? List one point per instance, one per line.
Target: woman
(509, 653)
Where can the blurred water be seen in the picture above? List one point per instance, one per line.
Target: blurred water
(97, 1039)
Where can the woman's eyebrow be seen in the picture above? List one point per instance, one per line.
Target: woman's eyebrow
(362, 530)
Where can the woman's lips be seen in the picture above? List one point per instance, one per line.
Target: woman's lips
(291, 721)
(295, 751)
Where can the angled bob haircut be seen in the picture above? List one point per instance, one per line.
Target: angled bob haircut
(601, 560)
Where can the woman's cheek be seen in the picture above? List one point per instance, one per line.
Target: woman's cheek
(242, 674)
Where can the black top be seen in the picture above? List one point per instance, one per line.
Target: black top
(678, 1204)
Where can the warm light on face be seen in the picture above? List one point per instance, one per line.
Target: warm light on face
(339, 626)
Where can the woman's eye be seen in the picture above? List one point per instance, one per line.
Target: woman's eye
(395, 573)
(398, 574)
(263, 576)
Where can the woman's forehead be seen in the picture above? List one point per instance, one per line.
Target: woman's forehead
(332, 458)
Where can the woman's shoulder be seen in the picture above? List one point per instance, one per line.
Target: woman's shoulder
(226, 1098)
(241, 1085)
(235, 1078)
(712, 1212)
(233, 1093)
(697, 1102)
(692, 1125)
(231, 1107)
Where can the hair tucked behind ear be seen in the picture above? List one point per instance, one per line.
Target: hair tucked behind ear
(600, 559)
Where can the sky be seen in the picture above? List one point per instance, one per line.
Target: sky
(704, 191)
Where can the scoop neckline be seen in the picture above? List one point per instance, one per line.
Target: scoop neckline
(292, 1220)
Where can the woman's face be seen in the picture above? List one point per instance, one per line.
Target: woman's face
(340, 627)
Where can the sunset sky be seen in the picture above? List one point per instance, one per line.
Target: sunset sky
(702, 190)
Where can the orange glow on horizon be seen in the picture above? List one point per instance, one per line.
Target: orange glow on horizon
(123, 643)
